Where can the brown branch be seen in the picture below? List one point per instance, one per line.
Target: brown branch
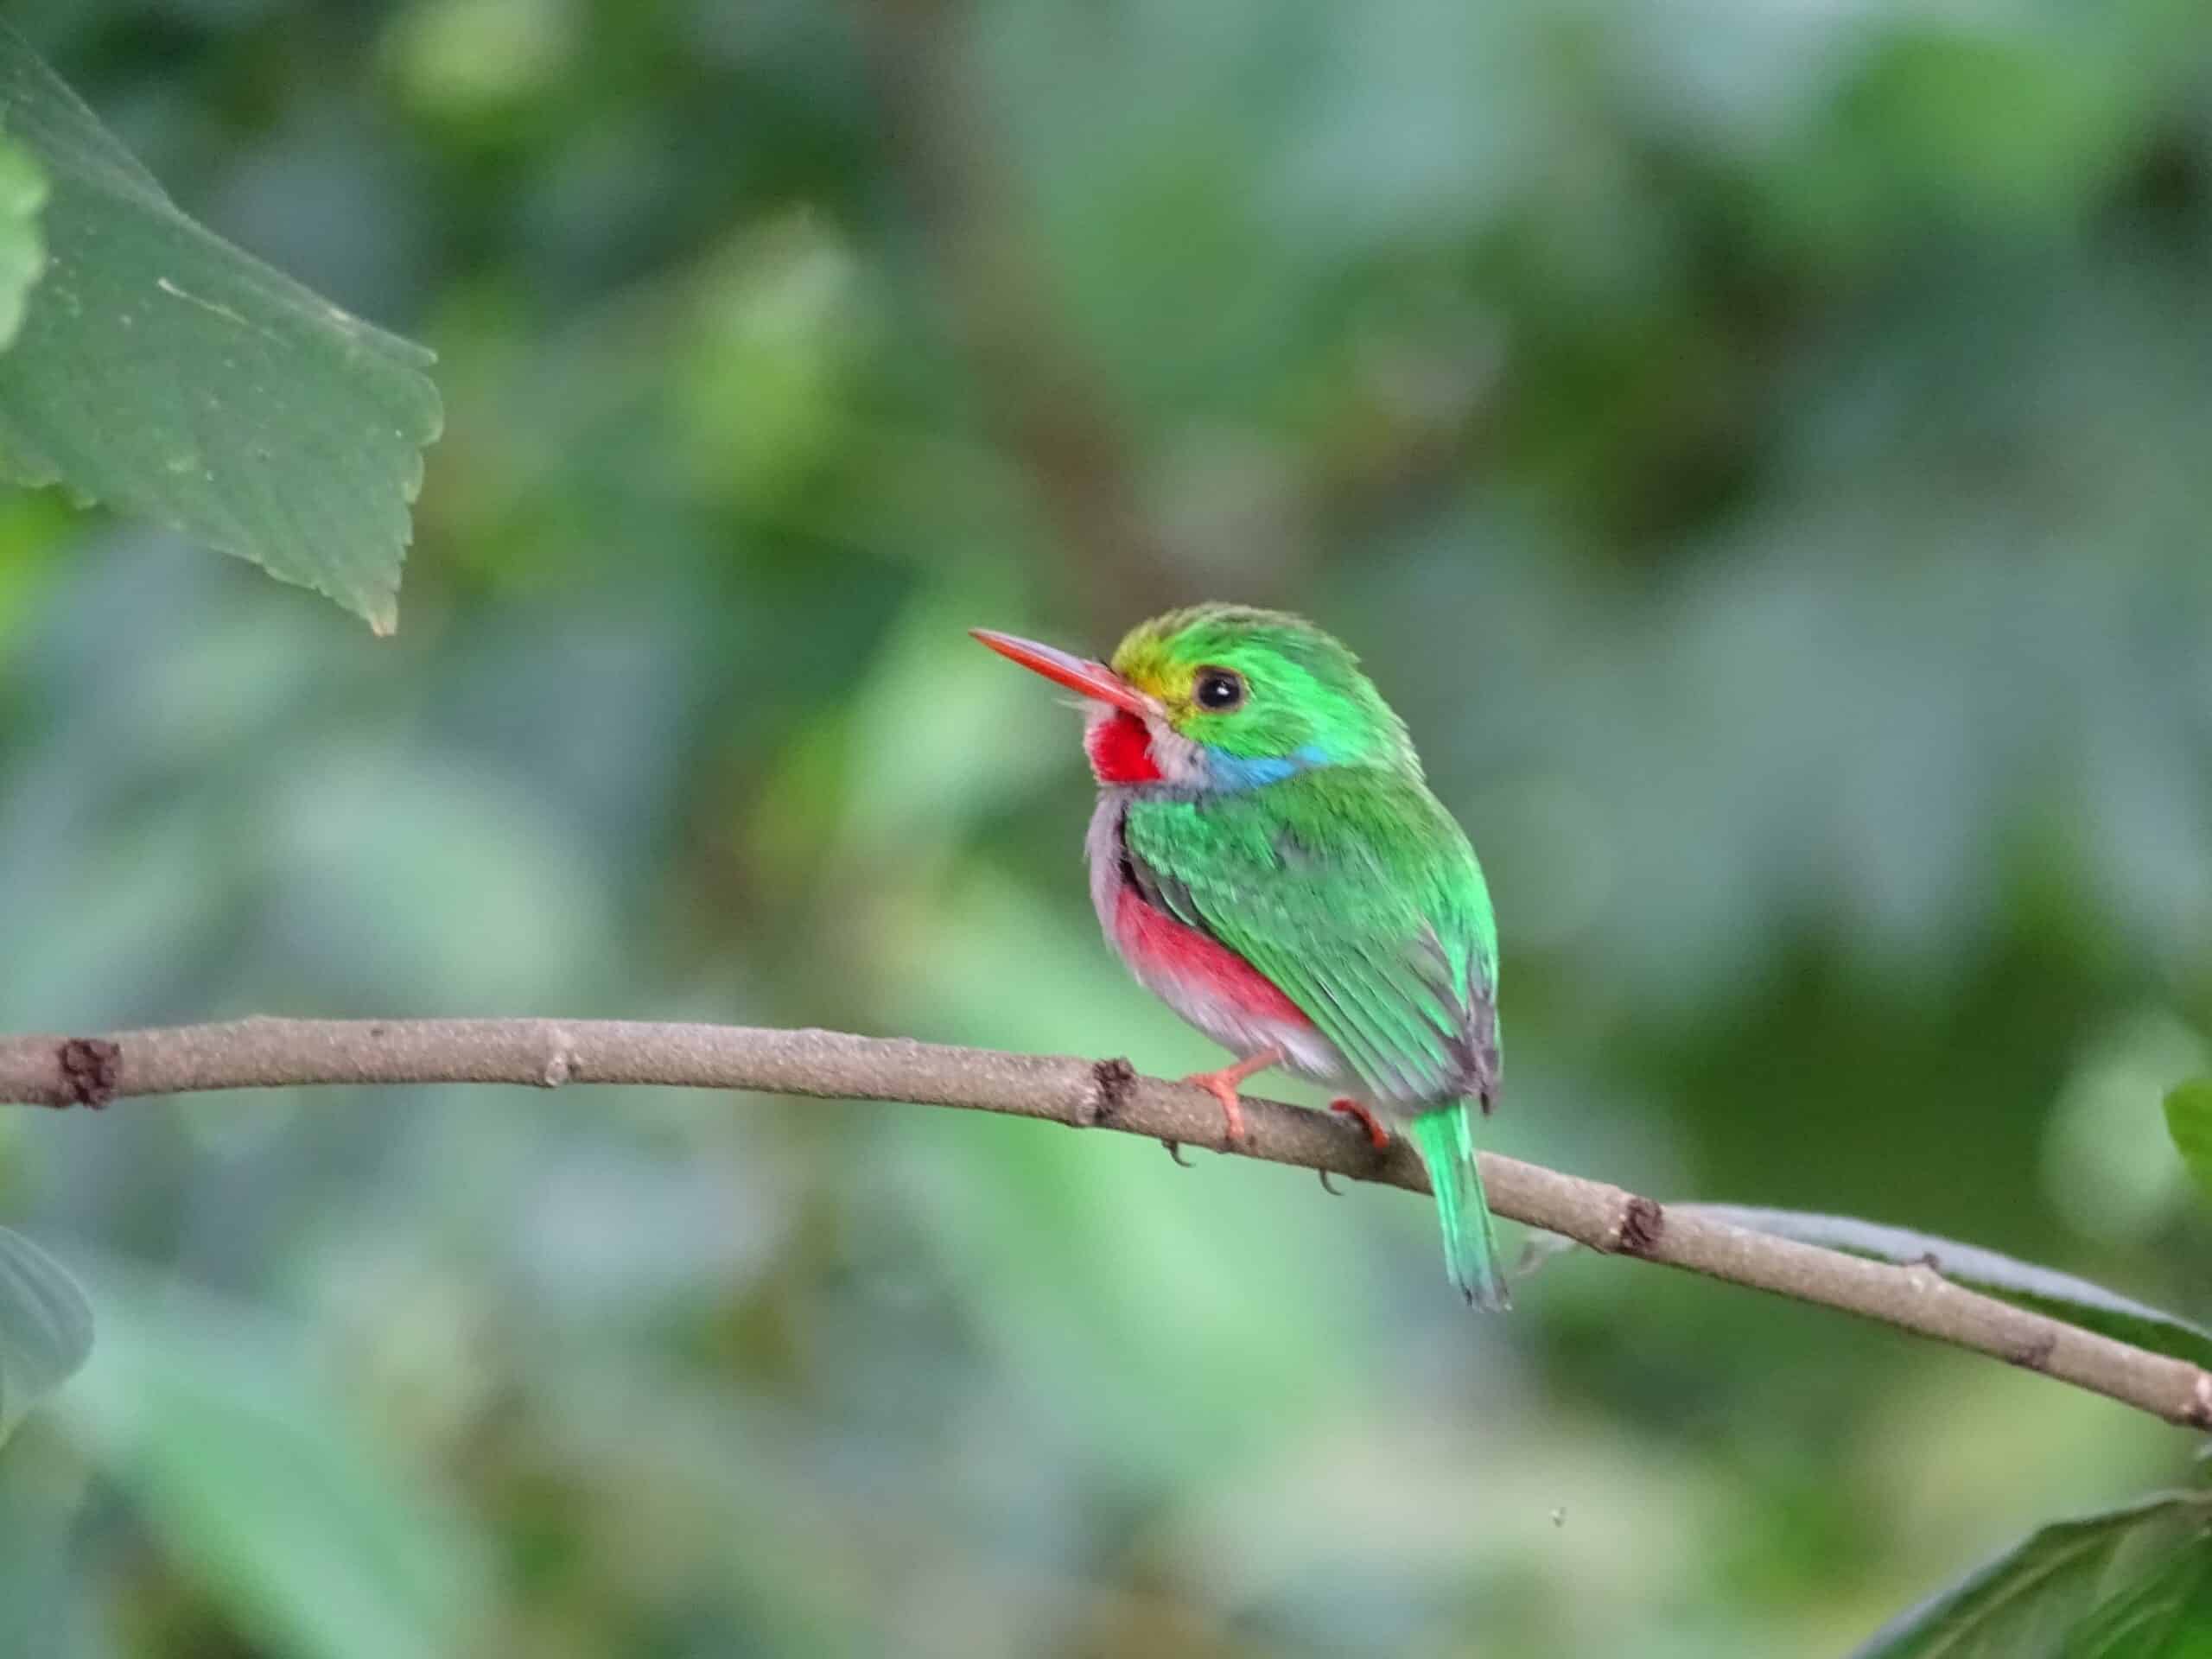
(53, 1071)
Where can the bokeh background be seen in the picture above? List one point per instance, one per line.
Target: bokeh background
(1761, 447)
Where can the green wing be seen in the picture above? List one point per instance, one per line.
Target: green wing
(1356, 893)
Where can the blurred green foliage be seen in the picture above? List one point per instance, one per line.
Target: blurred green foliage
(1759, 447)
(2189, 1121)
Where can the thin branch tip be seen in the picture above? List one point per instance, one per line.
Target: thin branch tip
(2198, 1411)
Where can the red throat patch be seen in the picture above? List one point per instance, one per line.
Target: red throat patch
(1121, 750)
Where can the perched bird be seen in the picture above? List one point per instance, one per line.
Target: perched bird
(1266, 858)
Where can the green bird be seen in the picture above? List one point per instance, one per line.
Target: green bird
(1266, 858)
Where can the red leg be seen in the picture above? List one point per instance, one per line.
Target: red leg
(1373, 1124)
(1222, 1085)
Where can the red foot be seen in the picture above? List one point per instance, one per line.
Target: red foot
(1225, 1091)
(1222, 1085)
(1373, 1124)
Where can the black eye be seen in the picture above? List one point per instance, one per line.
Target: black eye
(1218, 689)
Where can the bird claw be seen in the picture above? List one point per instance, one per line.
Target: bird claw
(1222, 1085)
(1175, 1151)
(1377, 1136)
(1333, 1191)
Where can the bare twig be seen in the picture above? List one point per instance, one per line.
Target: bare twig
(54, 1071)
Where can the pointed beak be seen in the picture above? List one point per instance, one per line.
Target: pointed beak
(1094, 680)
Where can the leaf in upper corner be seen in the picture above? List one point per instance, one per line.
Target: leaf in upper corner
(2189, 1121)
(2056, 1295)
(23, 249)
(2065, 1592)
(46, 1327)
(168, 374)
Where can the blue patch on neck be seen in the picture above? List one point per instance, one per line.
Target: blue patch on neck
(1227, 771)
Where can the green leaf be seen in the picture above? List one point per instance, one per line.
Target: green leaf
(164, 371)
(2166, 1615)
(22, 250)
(2048, 1596)
(2189, 1120)
(2059, 1295)
(46, 1327)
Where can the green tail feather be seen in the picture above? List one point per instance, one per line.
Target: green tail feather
(1447, 1146)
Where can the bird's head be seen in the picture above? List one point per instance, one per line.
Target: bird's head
(1223, 698)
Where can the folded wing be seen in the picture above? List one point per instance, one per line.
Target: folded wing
(1357, 894)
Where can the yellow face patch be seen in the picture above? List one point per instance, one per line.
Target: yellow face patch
(1174, 663)
(1157, 676)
